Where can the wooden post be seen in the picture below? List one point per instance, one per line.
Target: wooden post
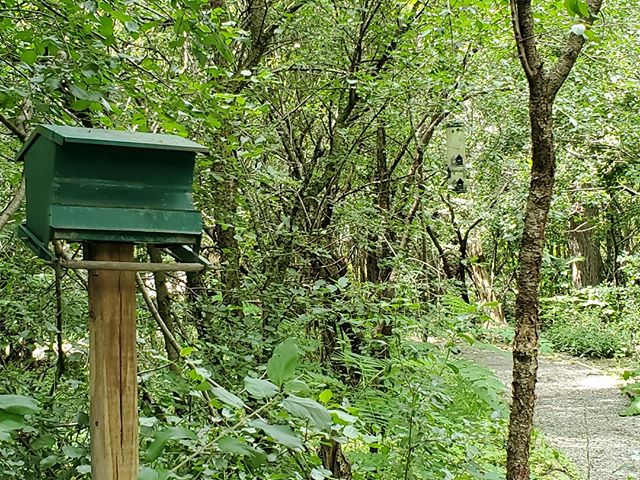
(114, 389)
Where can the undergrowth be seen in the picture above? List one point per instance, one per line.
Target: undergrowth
(597, 322)
(413, 411)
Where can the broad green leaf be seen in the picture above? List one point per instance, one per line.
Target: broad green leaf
(632, 409)
(49, 461)
(73, 452)
(309, 409)
(43, 441)
(18, 404)
(282, 365)
(282, 434)
(297, 387)
(236, 445)
(162, 437)
(147, 473)
(11, 421)
(572, 7)
(186, 351)
(260, 388)
(583, 9)
(320, 473)
(28, 56)
(227, 397)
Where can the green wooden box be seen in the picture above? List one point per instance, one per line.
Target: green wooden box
(106, 185)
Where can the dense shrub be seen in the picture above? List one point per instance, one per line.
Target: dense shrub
(593, 322)
(588, 336)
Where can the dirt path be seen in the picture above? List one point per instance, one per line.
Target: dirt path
(577, 409)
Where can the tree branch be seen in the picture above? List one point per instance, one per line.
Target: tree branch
(13, 205)
(14, 128)
(560, 70)
(522, 21)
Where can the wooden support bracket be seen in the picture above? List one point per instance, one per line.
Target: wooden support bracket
(131, 266)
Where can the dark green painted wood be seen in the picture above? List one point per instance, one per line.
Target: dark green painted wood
(88, 184)
(62, 134)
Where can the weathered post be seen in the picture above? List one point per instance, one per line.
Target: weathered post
(114, 387)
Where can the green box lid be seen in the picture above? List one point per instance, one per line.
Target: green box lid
(62, 134)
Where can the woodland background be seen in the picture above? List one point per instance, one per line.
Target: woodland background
(335, 240)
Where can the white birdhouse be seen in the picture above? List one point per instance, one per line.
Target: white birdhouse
(456, 156)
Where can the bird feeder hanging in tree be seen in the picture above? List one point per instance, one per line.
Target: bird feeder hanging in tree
(456, 156)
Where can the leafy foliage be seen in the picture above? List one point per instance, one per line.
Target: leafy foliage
(345, 272)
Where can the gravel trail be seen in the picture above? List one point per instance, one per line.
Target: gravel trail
(577, 410)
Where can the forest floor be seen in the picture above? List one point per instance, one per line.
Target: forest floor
(578, 407)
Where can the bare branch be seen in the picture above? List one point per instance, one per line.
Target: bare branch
(13, 128)
(13, 205)
(523, 28)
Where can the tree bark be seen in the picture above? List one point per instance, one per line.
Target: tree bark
(543, 87)
(13, 206)
(525, 346)
(483, 281)
(588, 268)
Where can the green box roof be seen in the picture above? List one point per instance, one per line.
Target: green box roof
(62, 134)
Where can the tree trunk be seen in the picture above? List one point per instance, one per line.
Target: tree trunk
(525, 346)
(543, 87)
(483, 281)
(588, 269)
(379, 250)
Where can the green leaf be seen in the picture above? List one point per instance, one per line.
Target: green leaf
(320, 473)
(572, 7)
(18, 404)
(297, 387)
(633, 409)
(227, 397)
(162, 437)
(43, 441)
(260, 388)
(282, 365)
(147, 473)
(11, 421)
(49, 461)
(235, 445)
(73, 452)
(591, 36)
(342, 282)
(325, 396)
(28, 56)
(215, 40)
(83, 469)
(186, 351)
(583, 9)
(282, 434)
(309, 409)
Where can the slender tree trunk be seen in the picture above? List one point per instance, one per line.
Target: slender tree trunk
(544, 85)
(525, 346)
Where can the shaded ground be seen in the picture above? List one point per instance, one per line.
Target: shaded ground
(577, 409)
